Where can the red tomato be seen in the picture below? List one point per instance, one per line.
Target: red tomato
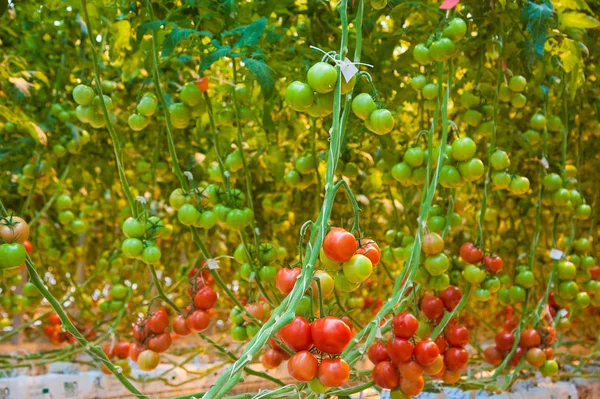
(493, 263)
(412, 387)
(121, 349)
(385, 375)
(141, 330)
(455, 358)
(135, 350)
(179, 326)
(441, 343)
(255, 309)
(530, 338)
(330, 334)
(426, 352)
(457, 335)
(28, 246)
(432, 306)
(202, 84)
(377, 353)
(54, 319)
(370, 249)
(595, 272)
(509, 325)
(158, 321)
(470, 253)
(272, 358)
(197, 321)
(504, 341)
(303, 366)
(549, 353)
(550, 334)
(48, 331)
(333, 372)
(399, 350)
(286, 279)
(410, 370)
(516, 357)
(451, 296)
(205, 298)
(405, 325)
(297, 335)
(493, 355)
(160, 343)
(339, 245)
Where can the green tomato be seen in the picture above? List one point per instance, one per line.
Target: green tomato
(236, 316)
(190, 94)
(132, 247)
(582, 300)
(414, 157)
(437, 265)
(343, 284)
(180, 115)
(517, 84)
(449, 177)
(83, 95)
(252, 330)
(147, 104)
(519, 185)
(492, 284)
(549, 368)
(430, 91)
(363, 105)
(299, 96)
(305, 164)
(137, 122)
(268, 274)
(482, 295)
(518, 100)
(402, 173)
(133, 228)
(517, 294)
(499, 160)
(566, 270)
(473, 117)
(442, 49)
(474, 275)
(118, 291)
(303, 306)
(77, 226)
(525, 279)
(239, 334)
(463, 149)
(357, 269)
(456, 29)
(418, 82)
(206, 220)
(537, 122)
(422, 54)
(323, 105)
(439, 283)
(472, 169)
(151, 255)
(378, 4)
(245, 271)
(322, 77)
(237, 219)
(85, 113)
(317, 386)
(30, 290)
(381, 121)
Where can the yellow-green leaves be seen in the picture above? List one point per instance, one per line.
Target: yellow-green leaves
(578, 20)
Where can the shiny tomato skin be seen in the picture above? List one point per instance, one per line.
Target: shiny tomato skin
(410, 370)
(333, 372)
(426, 352)
(451, 296)
(405, 325)
(530, 338)
(160, 343)
(158, 321)
(272, 358)
(297, 334)
(385, 375)
(400, 350)
(205, 298)
(197, 321)
(179, 326)
(412, 387)
(370, 249)
(303, 366)
(432, 306)
(516, 357)
(330, 334)
(286, 279)
(121, 349)
(455, 358)
(457, 335)
(504, 341)
(470, 253)
(339, 245)
(378, 353)
(493, 263)
(493, 355)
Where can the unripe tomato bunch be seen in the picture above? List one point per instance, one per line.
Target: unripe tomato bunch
(117, 353)
(142, 234)
(377, 120)
(89, 106)
(563, 196)
(116, 299)
(243, 327)
(443, 46)
(145, 108)
(74, 223)
(261, 261)
(502, 179)
(402, 362)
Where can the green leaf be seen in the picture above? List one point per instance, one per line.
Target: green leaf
(207, 61)
(3, 6)
(145, 27)
(263, 74)
(250, 34)
(537, 17)
(578, 20)
(120, 34)
(572, 5)
(176, 35)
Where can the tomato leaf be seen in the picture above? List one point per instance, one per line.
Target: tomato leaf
(449, 4)
(572, 5)
(176, 35)
(249, 34)
(578, 20)
(148, 26)
(537, 17)
(263, 74)
(220, 52)
(3, 6)
(38, 134)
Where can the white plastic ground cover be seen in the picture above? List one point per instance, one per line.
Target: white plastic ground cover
(53, 386)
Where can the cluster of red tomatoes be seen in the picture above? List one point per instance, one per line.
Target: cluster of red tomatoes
(53, 330)
(534, 344)
(401, 363)
(152, 338)
(117, 353)
(200, 311)
(316, 346)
